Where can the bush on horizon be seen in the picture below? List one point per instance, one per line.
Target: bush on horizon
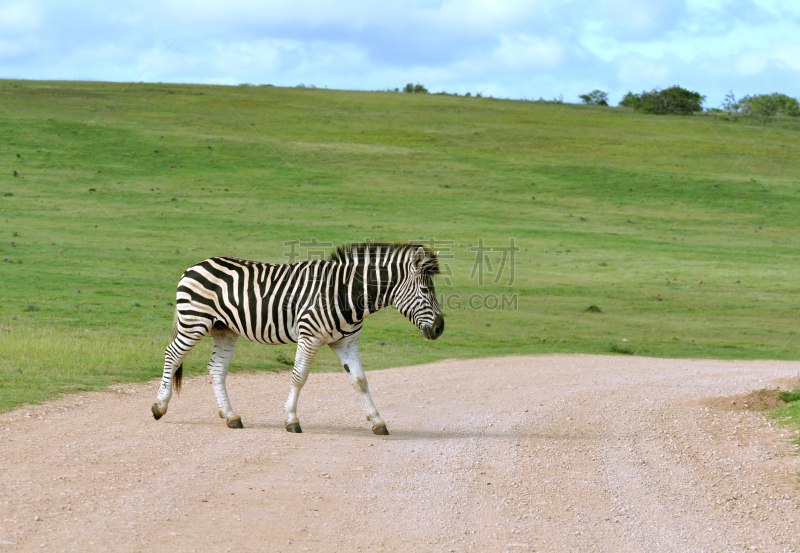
(672, 100)
(770, 105)
(595, 98)
(412, 88)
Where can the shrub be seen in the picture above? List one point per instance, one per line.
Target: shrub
(674, 99)
(770, 105)
(630, 100)
(671, 100)
(412, 88)
(595, 98)
(789, 397)
(730, 105)
(616, 348)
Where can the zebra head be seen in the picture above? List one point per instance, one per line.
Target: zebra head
(416, 297)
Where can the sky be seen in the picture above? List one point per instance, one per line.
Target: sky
(502, 48)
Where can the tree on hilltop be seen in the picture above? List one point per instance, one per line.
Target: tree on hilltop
(412, 88)
(675, 100)
(595, 98)
(770, 105)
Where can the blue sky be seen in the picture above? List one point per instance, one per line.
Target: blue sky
(512, 49)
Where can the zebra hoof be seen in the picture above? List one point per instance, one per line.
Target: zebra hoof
(380, 430)
(235, 424)
(156, 413)
(294, 428)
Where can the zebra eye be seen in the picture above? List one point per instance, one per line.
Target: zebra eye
(423, 289)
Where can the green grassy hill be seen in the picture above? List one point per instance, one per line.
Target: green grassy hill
(682, 230)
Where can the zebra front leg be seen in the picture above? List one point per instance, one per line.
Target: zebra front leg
(349, 355)
(306, 350)
(224, 348)
(180, 346)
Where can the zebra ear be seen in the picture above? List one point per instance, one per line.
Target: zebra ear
(418, 259)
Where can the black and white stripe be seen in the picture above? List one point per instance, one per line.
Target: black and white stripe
(312, 303)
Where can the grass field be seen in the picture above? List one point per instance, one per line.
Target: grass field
(789, 414)
(681, 230)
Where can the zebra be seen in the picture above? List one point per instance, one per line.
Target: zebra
(312, 303)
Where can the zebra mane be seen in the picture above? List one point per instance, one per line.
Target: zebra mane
(430, 265)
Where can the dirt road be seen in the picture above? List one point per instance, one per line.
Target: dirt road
(546, 453)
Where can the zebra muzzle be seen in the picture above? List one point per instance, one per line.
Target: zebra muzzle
(433, 331)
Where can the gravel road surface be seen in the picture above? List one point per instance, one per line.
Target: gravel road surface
(536, 453)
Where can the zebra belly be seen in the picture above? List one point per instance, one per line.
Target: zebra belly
(269, 335)
(322, 337)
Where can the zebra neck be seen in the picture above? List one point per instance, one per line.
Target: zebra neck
(371, 287)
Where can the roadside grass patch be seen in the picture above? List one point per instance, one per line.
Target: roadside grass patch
(781, 405)
(788, 415)
(790, 396)
(616, 348)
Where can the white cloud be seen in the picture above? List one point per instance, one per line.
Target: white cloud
(13, 48)
(751, 63)
(787, 56)
(481, 17)
(524, 52)
(17, 17)
(632, 18)
(636, 71)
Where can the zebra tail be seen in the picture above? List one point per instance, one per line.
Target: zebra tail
(177, 377)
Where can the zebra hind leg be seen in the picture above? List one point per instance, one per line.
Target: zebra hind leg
(306, 350)
(224, 348)
(180, 346)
